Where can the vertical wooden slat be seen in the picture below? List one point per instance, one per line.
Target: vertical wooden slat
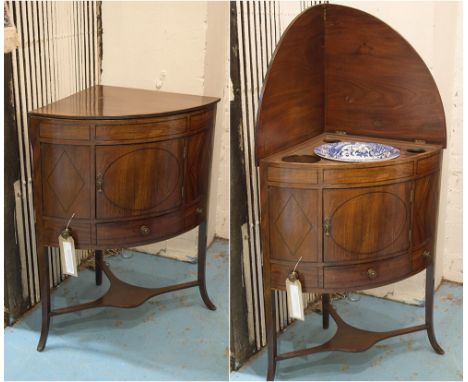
(82, 45)
(247, 249)
(85, 43)
(96, 65)
(247, 111)
(18, 84)
(25, 159)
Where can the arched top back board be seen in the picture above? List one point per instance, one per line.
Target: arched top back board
(340, 69)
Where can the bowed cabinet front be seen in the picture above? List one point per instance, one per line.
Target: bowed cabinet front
(347, 234)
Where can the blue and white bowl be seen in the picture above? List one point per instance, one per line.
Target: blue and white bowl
(357, 151)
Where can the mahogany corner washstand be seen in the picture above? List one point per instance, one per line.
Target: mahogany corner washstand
(341, 74)
(134, 167)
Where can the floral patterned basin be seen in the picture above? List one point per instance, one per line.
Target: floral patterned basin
(357, 151)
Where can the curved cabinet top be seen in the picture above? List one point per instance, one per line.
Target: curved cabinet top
(340, 69)
(111, 102)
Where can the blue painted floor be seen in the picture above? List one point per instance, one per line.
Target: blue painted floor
(170, 337)
(408, 357)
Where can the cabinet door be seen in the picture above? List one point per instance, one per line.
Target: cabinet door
(294, 224)
(66, 176)
(361, 223)
(138, 179)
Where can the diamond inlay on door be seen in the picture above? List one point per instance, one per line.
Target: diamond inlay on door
(66, 186)
(295, 224)
(74, 181)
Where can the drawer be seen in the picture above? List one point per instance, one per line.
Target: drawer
(428, 165)
(140, 231)
(308, 275)
(369, 174)
(61, 130)
(366, 275)
(133, 130)
(292, 175)
(81, 232)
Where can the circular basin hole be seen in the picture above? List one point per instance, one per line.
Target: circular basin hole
(331, 140)
(416, 150)
(301, 158)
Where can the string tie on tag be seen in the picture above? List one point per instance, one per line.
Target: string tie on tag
(298, 261)
(293, 275)
(69, 221)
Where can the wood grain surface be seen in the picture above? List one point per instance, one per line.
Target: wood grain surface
(112, 102)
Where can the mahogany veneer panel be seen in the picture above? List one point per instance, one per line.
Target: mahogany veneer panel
(357, 276)
(336, 214)
(121, 159)
(198, 158)
(292, 175)
(139, 178)
(292, 98)
(340, 69)
(367, 222)
(52, 228)
(368, 174)
(294, 224)
(376, 83)
(429, 164)
(66, 181)
(138, 231)
(73, 131)
(113, 102)
(142, 130)
(426, 197)
(310, 276)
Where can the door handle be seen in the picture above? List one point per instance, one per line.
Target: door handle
(327, 227)
(99, 182)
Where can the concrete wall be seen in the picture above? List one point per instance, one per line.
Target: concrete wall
(179, 47)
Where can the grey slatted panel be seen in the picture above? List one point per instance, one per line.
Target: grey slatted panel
(259, 30)
(58, 50)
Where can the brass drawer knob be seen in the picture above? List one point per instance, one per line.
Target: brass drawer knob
(144, 230)
(371, 273)
(427, 254)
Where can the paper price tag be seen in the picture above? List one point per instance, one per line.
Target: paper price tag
(68, 254)
(295, 301)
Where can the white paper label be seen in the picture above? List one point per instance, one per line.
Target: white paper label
(295, 302)
(68, 256)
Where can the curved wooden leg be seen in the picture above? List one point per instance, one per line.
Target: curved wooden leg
(270, 315)
(202, 266)
(430, 308)
(97, 266)
(325, 310)
(43, 263)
